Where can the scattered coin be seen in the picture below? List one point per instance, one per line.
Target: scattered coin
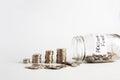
(55, 67)
(36, 66)
(72, 64)
(40, 66)
(31, 67)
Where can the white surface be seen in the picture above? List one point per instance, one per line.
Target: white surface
(106, 71)
(30, 26)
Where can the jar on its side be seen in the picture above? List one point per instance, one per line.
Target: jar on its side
(96, 48)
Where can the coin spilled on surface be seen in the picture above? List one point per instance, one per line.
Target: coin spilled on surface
(53, 66)
(48, 63)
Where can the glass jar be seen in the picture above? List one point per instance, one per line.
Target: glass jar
(96, 48)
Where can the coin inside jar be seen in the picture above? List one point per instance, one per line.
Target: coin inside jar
(108, 57)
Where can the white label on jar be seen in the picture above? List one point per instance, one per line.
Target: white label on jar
(100, 44)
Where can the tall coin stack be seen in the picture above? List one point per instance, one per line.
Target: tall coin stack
(49, 56)
(61, 55)
(36, 58)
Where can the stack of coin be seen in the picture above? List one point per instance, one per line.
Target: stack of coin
(36, 58)
(49, 56)
(26, 60)
(61, 55)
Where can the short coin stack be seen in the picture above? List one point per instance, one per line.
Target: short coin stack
(61, 55)
(36, 58)
(49, 56)
(26, 60)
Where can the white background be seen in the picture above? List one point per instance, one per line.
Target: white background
(30, 26)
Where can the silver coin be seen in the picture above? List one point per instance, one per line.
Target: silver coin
(26, 61)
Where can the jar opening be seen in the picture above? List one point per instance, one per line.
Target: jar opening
(78, 48)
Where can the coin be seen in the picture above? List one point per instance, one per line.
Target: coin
(108, 57)
(36, 58)
(61, 55)
(49, 56)
(31, 67)
(55, 67)
(72, 64)
(36, 66)
(26, 60)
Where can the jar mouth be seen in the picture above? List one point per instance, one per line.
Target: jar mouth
(78, 48)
